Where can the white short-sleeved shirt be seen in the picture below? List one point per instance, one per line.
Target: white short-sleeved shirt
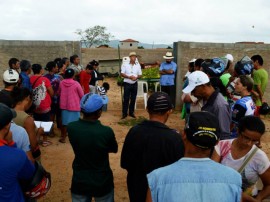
(131, 70)
(20, 137)
(255, 167)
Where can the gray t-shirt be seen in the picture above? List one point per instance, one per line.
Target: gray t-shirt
(217, 105)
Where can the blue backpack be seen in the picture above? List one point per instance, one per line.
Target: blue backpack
(214, 67)
(244, 66)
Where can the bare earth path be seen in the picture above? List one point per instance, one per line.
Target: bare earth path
(57, 158)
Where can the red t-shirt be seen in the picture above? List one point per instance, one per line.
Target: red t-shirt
(84, 81)
(41, 97)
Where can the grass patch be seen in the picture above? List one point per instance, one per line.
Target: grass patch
(132, 122)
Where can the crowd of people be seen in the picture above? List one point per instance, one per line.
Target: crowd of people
(217, 156)
(30, 95)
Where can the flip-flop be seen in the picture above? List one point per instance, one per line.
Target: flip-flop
(46, 143)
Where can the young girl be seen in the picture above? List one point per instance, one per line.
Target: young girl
(70, 92)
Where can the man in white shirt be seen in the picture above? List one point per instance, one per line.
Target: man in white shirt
(131, 72)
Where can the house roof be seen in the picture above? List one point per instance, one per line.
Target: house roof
(129, 40)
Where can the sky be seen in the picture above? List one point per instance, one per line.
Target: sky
(147, 21)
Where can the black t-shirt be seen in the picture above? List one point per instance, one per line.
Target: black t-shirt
(95, 76)
(148, 146)
(6, 98)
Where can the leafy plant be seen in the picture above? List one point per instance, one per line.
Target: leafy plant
(152, 72)
(120, 80)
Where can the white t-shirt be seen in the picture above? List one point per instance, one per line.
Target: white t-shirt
(131, 70)
(255, 167)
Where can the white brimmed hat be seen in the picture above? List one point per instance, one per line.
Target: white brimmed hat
(196, 78)
(168, 55)
(132, 54)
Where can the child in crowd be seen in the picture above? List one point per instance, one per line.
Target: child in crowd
(85, 78)
(102, 91)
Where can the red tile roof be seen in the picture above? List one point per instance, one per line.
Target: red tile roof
(129, 40)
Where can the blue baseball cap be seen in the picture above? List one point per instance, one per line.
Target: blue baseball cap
(91, 102)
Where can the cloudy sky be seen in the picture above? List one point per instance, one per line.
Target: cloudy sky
(148, 21)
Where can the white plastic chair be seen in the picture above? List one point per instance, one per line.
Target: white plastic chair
(156, 86)
(141, 93)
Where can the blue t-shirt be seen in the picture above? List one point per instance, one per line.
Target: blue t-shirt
(167, 79)
(26, 81)
(195, 179)
(13, 167)
(55, 80)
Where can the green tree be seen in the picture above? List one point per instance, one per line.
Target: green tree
(169, 47)
(140, 47)
(96, 35)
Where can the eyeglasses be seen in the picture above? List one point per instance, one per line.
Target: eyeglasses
(248, 139)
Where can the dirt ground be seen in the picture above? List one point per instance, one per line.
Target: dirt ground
(57, 158)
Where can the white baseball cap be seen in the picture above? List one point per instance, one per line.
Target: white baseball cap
(229, 57)
(11, 76)
(196, 78)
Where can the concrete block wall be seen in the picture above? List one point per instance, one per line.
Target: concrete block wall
(144, 55)
(185, 51)
(36, 51)
(44, 51)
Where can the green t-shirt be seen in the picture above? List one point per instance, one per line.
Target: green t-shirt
(260, 78)
(91, 142)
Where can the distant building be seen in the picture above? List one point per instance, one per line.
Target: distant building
(129, 44)
(250, 42)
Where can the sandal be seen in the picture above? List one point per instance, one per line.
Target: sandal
(46, 143)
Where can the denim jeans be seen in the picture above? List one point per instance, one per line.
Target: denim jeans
(130, 93)
(86, 198)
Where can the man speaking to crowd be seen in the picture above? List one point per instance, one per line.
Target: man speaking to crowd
(131, 72)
